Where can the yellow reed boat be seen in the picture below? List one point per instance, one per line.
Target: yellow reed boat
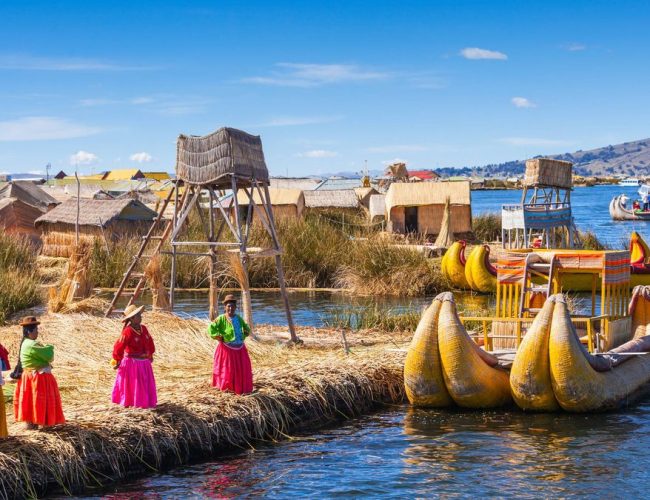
(555, 354)
(475, 273)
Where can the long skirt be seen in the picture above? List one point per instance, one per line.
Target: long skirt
(37, 399)
(135, 384)
(232, 369)
(3, 416)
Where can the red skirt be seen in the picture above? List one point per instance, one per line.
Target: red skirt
(232, 369)
(37, 399)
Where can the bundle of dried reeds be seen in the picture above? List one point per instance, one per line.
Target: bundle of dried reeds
(75, 285)
(154, 275)
(298, 387)
(446, 236)
(240, 274)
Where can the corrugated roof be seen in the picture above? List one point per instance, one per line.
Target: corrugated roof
(415, 194)
(302, 183)
(97, 212)
(336, 184)
(123, 175)
(29, 193)
(340, 198)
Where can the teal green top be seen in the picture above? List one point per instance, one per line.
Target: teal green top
(34, 355)
(233, 332)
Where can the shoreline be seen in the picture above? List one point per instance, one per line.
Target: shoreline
(299, 388)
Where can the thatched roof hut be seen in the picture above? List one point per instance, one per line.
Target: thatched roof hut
(284, 202)
(377, 207)
(109, 219)
(542, 172)
(17, 217)
(216, 157)
(364, 194)
(328, 199)
(29, 193)
(419, 207)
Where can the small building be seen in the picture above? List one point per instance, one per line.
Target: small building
(377, 207)
(17, 217)
(418, 207)
(364, 194)
(423, 175)
(29, 193)
(110, 219)
(157, 176)
(335, 199)
(60, 175)
(129, 174)
(302, 183)
(285, 203)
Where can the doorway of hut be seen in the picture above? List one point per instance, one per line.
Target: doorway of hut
(411, 219)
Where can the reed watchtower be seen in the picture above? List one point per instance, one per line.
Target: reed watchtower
(545, 208)
(225, 169)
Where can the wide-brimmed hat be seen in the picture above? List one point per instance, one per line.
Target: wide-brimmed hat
(131, 311)
(29, 321)
(229, 298)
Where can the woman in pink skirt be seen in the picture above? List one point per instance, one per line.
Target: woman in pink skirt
(232, 367)
(135, 384)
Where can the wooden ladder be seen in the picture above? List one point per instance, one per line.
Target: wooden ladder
(140, 257)
(541, 269)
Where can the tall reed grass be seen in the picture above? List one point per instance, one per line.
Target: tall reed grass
(18, 275)
(487, 227)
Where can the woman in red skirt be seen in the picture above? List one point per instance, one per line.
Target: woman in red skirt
(232, 367)
(36, 400)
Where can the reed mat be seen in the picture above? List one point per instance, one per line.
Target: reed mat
(296, 388)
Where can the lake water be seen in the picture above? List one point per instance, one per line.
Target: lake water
(403, 452)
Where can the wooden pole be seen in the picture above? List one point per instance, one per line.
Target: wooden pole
(76, 225)
(278, 265)
(172, 279)
(214, 291)
(247, 306)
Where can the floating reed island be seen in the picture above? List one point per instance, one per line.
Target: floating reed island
(297, 388)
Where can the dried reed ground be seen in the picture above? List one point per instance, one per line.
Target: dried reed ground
(296, 388)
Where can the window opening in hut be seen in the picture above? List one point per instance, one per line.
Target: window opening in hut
(411, 219)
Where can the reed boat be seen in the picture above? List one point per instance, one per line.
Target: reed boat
(475, 273)
(618, 210)
(445, 367)
(556, 353)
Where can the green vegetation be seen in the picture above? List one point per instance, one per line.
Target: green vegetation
(374, 317)
(487, 227)
(18, 275)
(589, 241)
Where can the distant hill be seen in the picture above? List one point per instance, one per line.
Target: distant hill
(629, 158)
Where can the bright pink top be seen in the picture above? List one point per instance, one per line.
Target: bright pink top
(134, 344)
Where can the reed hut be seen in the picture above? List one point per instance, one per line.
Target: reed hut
(377, 207)
(364, 194)
(285, 203)
(106, 219)
(17, 217)
(419, 207)
(342, 200)
(29, 193)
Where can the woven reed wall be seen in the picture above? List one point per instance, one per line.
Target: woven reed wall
(430, 218)
(547, 172)
(211, 158)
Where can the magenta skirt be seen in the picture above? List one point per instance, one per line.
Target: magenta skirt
(232, 369)
(135, 384)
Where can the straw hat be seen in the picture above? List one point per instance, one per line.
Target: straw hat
(229, 298)
(29, 321)
(131, 311)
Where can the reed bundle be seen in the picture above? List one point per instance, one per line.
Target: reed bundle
(75, 285)
(241, 276)
(296, 388)
(154, 275)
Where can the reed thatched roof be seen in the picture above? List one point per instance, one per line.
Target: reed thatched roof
(341, 198)
(278, 196)
(416, 194)
(211, 158)
(28, 192)
(97, 212)
(18, 216)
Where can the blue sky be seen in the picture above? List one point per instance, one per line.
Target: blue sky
(327, 85)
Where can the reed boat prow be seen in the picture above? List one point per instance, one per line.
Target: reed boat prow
(472, 375)
(453, 265)
(480, 274)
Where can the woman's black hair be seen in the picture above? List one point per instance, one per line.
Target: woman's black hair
(28, 329)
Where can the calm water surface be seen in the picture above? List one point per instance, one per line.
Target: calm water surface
(402, 452)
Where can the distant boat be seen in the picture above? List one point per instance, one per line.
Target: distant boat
(619, 210)
(630, 181)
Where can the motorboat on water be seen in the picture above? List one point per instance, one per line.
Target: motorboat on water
(630, 181)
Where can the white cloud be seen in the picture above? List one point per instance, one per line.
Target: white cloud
(42, 128)
(97, 102)
(394, 160)
(142, 100)
(522, 102)
(318, 153)
(576, 47)
(314, 75)
(35, 63)
(291, 121)
(533, 141)
(397, 148)
(141, 157)
(83, 158)
(476, 53)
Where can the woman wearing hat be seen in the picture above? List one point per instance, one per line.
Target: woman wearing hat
(135, 384)
(232, 367)
(37, 400)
